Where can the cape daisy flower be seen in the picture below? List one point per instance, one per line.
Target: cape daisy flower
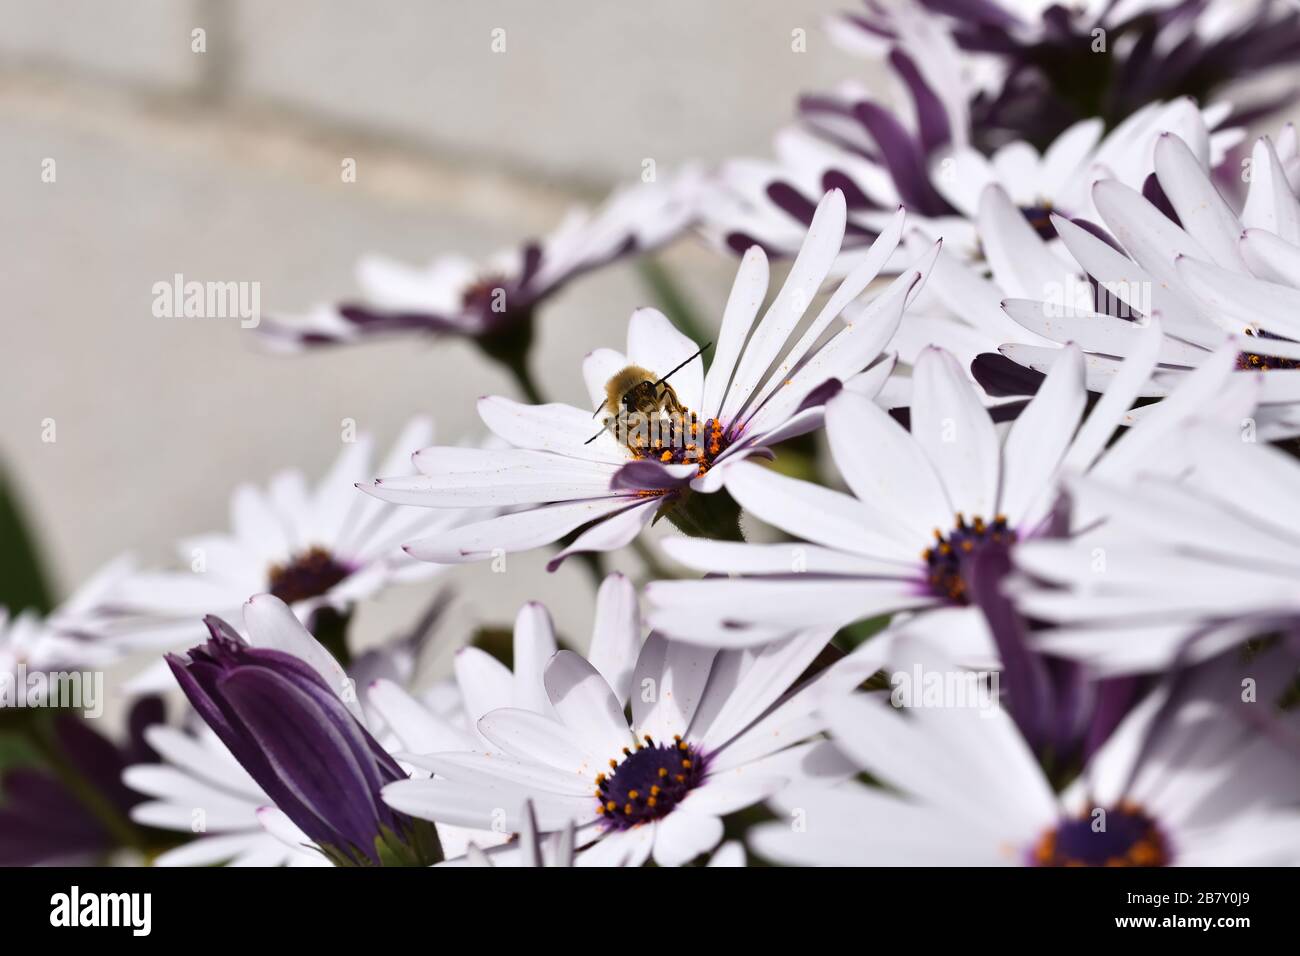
(446, 716)
(926, 156)
(1031, 54)
(495, 303)
(672, 434)
(1188, 257)
(1059, 179)
(710, 733)
(317, 549)
(68, 638)
(934, 511)
(1183, 786)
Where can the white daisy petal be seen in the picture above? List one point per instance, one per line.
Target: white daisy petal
(534, 645)
(1270, 203)
(731, 791)
(618, 530)
(683, 835)
(736, 557)
(1202, 212)
(616, 633)
(484, 808)
(809, 271)
(654, 343)
(557, 428)
(887, 470)
(1039, 438)
(950, 424)
(1242, 301)
(485, 683)
(810, 511)
(678, 606)
(676, 673)
(598, 368)
(747, 292)
(209, 850)
(417, 728)
(730, 854)
(1023, 265)
(518, 531)
(586, 705)
(528, 735)
(1115, 402)
(486, 770)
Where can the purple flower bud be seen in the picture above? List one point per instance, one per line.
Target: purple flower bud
(298, 740)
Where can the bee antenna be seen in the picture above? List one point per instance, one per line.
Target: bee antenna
(683, 365)
(595, 436)
(599, 407)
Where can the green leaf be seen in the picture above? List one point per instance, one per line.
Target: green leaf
(23, 583)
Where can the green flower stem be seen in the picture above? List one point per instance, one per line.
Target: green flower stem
(509, 347)
(524, 379)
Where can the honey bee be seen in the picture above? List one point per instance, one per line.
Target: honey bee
(635, 398)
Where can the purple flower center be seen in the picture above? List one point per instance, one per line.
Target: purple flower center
(1039, 216)
(648, 782)
(677, 439)
(950, 559)
(1251, 361)
(1120, 836)
(310, 574)
(482, 294)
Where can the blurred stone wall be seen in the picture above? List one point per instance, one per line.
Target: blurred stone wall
(224, 165)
